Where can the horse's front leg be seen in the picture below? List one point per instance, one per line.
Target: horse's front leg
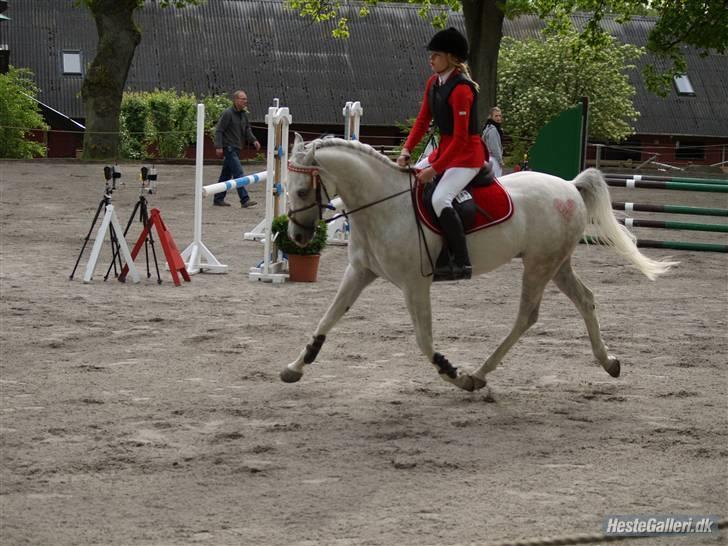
(352, 284)
(420, 309)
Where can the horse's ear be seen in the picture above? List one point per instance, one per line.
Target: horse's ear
(310, 156)
(297, 142)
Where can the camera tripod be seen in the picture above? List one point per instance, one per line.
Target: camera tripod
(110, 223)
(142, 209)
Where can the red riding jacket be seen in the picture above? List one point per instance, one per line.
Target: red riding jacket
(461, 148)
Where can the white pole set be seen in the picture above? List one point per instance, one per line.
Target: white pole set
(197, 257)
(234, 184)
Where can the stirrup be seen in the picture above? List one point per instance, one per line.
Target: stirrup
(452, 272)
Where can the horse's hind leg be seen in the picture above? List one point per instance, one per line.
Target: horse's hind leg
(535, 279)
(352, 284)
(571, 285)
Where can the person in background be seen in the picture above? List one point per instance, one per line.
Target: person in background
(451, 100)
(233, 130)
(493, 139)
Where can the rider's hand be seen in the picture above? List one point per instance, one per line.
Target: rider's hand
(218, 152)
(426, 175)
(404, 158)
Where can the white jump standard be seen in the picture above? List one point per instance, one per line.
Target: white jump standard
(271, 269)
(338, 230)
(197, 257)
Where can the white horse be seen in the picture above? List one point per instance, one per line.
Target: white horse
(550, 218)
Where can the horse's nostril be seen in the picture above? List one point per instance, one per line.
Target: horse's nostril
(299, 238)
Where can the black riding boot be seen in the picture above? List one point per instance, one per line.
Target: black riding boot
(459, 266)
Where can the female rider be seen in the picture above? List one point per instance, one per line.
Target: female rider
(451, 101)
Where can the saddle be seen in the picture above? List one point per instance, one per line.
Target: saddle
(482, 204)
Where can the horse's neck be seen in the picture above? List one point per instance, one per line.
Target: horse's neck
(358, 178)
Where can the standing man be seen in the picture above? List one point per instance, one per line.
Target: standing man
(493, 139)
(233, 130)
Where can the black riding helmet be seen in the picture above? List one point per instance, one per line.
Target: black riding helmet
(452, 41)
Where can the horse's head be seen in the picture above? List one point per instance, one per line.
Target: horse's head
(304, 192)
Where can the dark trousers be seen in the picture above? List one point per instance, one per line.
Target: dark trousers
(231, 168)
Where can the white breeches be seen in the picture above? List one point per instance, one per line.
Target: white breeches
(453, 181)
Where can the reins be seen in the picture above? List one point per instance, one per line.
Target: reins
(421, 239)
(346, 213)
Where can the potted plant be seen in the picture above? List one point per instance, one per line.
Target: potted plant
(302, 261)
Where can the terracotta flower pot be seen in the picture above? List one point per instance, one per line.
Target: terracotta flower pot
(303, 267)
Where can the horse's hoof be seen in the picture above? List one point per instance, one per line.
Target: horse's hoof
(473, 383)
(468, 382)
(290, 376)
(613, 367)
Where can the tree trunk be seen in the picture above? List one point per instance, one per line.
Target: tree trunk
(104, 83)
(484, 27)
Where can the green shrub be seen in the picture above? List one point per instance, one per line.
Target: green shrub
(214, 107)
(279, 229)
(133, 125)
(162, 134)
(19, 113)
(164, 122)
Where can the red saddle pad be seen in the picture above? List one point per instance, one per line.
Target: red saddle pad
(493, 199)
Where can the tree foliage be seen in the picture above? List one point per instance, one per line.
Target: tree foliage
(325, 11)
(19, 113)
(541, 78)
(702, 24)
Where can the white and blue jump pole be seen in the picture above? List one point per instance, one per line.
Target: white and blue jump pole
(234, 184)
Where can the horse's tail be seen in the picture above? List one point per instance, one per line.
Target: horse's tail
(608, 231)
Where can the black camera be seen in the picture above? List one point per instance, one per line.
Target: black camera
(149, 178)
(112, 172)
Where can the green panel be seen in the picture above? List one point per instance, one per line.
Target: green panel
(558, 146)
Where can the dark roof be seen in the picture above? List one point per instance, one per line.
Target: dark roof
(270, 51)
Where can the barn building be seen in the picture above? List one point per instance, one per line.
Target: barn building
(270, 51)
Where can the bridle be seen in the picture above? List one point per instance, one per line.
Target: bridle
(317, 185)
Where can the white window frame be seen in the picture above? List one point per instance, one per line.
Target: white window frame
(683, 86)
(70, 71)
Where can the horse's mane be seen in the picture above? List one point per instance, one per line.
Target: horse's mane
(355, 145)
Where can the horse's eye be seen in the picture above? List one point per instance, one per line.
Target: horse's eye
(302, 193)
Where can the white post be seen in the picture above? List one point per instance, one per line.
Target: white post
(198, 258)
(338, 230)
(352, 118)
(278, 120)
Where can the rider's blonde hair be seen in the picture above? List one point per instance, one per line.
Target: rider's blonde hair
(463, 67)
